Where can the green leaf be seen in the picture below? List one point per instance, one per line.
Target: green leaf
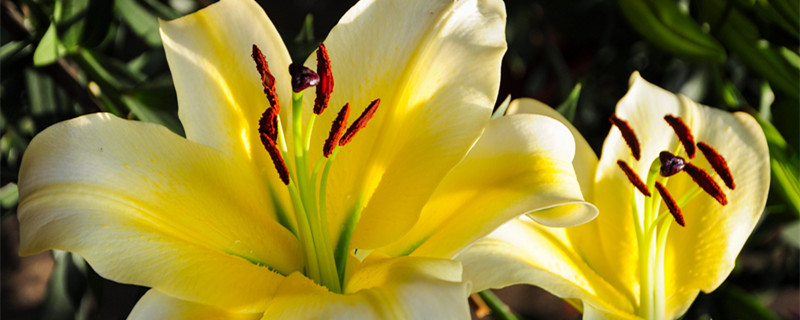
(70, 23)
(791, 234)
(783, 164)
(48, 49)
(570, 105)
(738, 304)
(143, 23)
(501, 110)
(41, 93)
(9, 195)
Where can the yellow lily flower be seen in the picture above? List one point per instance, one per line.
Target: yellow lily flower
(643, 257)
(235, 221)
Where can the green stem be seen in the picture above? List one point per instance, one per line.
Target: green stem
(500, 310)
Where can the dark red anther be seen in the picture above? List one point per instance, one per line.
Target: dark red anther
(670, 163)
(267, 80)
(302, 77)
(706, 182)
(718, 163)
(325, 87)
(360, 123)
(683, 132)
(277, 160)
(627, 134)
(633, 178)
(268, 124)
(673, 207)
(336, 130)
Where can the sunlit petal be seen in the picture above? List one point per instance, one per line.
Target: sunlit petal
(523, 251)
(521, 164)
(435, 65)
(585, 161)
(220, 96)
(145, 206)
(394, 288)
(155, 305)
(701, 255)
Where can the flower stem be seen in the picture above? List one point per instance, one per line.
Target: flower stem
(500, 310)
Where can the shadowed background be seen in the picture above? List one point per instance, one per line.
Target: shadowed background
(61, 59)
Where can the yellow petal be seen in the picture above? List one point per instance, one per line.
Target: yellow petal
(220, 96)
(523, 251)
(521, 164)
(145, 206)
(155, 305)
(701, 255)
(435, 65)
(394, 288)
(585, 161)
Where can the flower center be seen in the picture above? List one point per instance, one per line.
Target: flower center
(651, 224)
(308, 187)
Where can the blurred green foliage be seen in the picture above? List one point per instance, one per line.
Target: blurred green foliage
(62, 59)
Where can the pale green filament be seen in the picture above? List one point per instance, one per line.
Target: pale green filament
(311, 218)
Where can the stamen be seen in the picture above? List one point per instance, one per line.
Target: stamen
(671, 204)
(268, 124)
(670, 163)
(683, 132)
(325, 86)
(718, 163)
(633, 178)
(302, 77)
(277, 160)
(706, 183)
(267, 80)
(627, 134)
(360, 123)
(336, 130)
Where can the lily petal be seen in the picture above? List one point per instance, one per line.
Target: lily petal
(155, 305)
(145, 206)
(523, 251)
(220, 96)
(521, 164)
(435, 65)
(701, 255)
(585, 161)
(381, 288)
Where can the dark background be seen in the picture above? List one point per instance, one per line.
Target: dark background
(553, 45)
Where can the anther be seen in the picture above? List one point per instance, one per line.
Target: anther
(627, 134)
(633, 178)
(277, 160)
(302, 77)
(683, 132)
(267, 80)
(673, 207)
(325, 87)
(268, 124)
(360, 123)
(670, 163)
(706, 182)
(336, 130)
(718, 163)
